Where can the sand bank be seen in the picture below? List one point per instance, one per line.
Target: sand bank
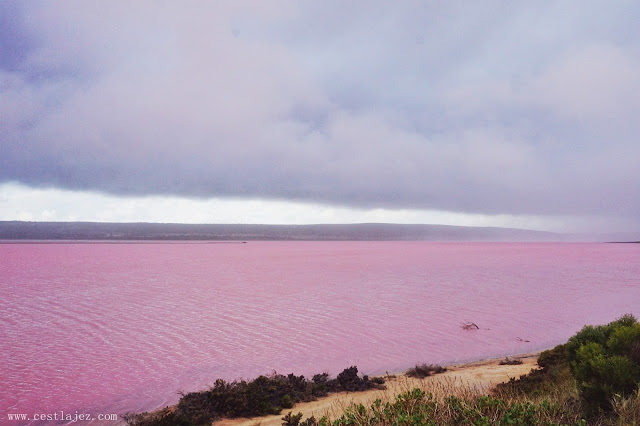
(477, 376)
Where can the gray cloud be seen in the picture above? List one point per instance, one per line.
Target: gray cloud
(491, 108)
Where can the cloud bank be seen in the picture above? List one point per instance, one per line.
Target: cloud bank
(493, 108)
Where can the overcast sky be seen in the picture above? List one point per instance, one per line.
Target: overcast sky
(513, 113)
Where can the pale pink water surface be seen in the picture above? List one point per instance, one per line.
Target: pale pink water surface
(111, 328)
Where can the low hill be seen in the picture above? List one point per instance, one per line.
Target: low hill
(16, 230)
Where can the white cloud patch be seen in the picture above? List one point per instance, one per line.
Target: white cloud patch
(18, 202)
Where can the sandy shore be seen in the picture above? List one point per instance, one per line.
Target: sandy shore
(477, 376)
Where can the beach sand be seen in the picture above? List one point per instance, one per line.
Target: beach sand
(479, 376)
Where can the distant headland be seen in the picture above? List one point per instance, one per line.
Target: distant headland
(18, 230)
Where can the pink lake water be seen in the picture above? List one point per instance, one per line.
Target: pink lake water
(113, 328)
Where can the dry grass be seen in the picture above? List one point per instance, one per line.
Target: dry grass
(627, 410)
(453, 403)
(438, 390)
(448, 399)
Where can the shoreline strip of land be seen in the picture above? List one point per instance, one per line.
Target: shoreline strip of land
(476, 377)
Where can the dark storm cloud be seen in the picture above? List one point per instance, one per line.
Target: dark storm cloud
(499, 107)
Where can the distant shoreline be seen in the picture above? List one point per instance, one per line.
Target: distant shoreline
(98, 231)
(104, 231)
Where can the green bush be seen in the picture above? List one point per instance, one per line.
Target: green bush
(286, 402)
(553, 357)
(605, 362)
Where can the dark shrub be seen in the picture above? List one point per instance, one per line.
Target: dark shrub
(350, 381)
(298, 383)
(296, 420)
(320, 378)
(262, 396)
(510, 361)
(225, 399)
(377, 380)
(291, 419)
(424, 370)
(320, 385)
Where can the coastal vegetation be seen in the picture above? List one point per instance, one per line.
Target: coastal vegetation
(605, 361)
(592, 379)
(262, 396)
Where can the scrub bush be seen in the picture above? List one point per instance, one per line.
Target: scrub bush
(296, 420)
(350, 381)
(262, 396)
(425, 370)
(605, 360)
(510, 361)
